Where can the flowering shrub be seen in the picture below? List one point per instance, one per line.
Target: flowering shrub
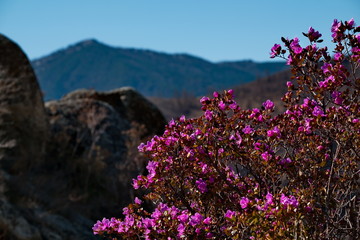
(246, 174)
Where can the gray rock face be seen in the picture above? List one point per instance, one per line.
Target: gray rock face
(23, 121)
(69, 163)
(11, 219)
(126, 101)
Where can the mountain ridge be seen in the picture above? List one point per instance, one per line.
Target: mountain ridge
(95, 65)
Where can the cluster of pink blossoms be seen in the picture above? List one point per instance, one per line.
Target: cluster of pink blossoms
(246, 174)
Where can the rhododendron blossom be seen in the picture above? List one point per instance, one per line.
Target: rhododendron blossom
(237, 173)
(244, 202)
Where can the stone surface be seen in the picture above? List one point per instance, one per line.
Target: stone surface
(69, 163)
(23, 121)
(127, 101)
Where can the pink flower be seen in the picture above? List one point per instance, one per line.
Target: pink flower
(209, 235)
(286, 201)
(335, 27)
(326, 67)
(198, 132)
(254, 112)
(230, 214)
(268, 104)
(208, 115)
(233, 106)
(275, 50)
(323, 84)
(338, 56)
(216, 94)
(156, 214)
(313, 35)
(204, 167)
(318, 111)
(207, 220)
(289, 60)
(237, 138)
(331, 78)
(181, 230)
(337, 97)
(151, 167)
(295, 46)
(182, 118)
(274, 132)
(137, 201)
(201, 185)
(248, 129)
(285, 161)
(351, 23)
(148, 222)
(222, 105)
(195, 219)
(183, 218)
(269, 199)
(135, 184)
(320, 147)
(266, 156)
(293, 202)
(244, 202)
(101, 226)
(337, 30)
(204, 100)
(220, 151)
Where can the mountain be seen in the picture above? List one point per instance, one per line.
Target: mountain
(94, 65)
(248, 95)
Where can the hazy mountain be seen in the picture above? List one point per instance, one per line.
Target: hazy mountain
(248, 95)
(91, 64)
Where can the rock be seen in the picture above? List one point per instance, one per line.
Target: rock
(97, 134)
(127, 101)
(23, 121)
(71, 162)
(14, 225)
(86, 146)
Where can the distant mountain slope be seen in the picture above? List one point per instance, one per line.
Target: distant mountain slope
(249, 95)
(91, 64)
(258, 70)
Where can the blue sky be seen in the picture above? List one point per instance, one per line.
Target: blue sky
(216, 30)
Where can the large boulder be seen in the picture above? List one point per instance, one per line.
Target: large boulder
(68, 163)
(86, 147)
(23, 134)
(130, 104)
(23, 121)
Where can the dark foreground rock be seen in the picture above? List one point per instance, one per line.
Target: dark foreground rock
(70, 162)
(23, 122)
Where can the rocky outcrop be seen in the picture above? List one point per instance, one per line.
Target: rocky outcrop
(126, 100)
(23, 122)
(70, 162)
(99, 132)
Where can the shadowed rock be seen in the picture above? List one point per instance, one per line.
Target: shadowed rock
(23, 121)
(127, 101)
(67, 164)
(96, 134)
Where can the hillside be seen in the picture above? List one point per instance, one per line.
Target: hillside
(94, 65)
(249, 95)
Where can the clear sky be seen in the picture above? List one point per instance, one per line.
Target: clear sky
(216, 30)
